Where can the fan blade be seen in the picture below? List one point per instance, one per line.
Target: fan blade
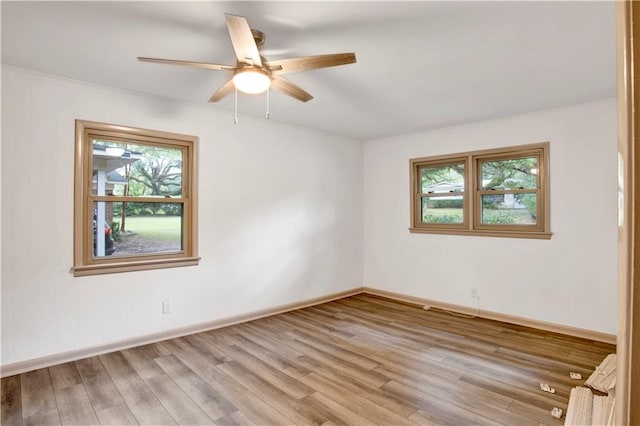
(290, 89)
(222, 92)
(311, 62)
(242, 40)
(189, 64)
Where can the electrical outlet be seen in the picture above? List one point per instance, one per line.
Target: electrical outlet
(474, 292)
(166, 306)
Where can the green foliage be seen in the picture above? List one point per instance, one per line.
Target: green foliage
(430, 218)
(148, 209)
(498, 217)
(436, 203)
(510, 174)
(158, 172)
(115, 230)
(430, 176)
(529, 201)
(492, 201)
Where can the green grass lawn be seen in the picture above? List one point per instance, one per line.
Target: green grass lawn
(157, 228)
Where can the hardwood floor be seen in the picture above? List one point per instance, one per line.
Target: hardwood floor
(360, 360)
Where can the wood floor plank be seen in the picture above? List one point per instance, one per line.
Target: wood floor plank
(368, 376)
(247, 401)
(155, 416)
(375, 413)
(104, 397)
(142, 363)
(119, 415)
(309, 322)
(342, 349)
(11, 413)
(419, 419)
(235, 419)
(336, 413)
(463, 396)
(208, 399)
(269, 351)
(154, 351)
(359, 360)
(451, 389)
(74, 406)
(49, 418)
(38, 400)
(536, 413)
(377, 395)
(204, 343)
(134, 391)
(91, 370)
(278, 399)
(64, 375)
(182, 408)
(275, 377)
(438, 409)
(531, 394)
(102, 392)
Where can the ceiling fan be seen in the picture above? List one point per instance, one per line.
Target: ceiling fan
(253, 73)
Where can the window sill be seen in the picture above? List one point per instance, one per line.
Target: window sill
(477, 233)
(142, 265)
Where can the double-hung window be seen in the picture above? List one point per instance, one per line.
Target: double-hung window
(135, 199)
(498, 192)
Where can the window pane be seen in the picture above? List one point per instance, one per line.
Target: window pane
(144, 228)
(438, 179)
(136, 170)
(517, 173)
(509, 209)
(442, 209)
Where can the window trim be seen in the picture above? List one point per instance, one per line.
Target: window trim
(84, 263)
(472, 204)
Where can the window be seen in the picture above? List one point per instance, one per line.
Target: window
(498, 192)
(135, 199)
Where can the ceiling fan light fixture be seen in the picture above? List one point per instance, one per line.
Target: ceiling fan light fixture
(251, 80)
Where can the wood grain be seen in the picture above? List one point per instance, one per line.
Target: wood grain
(74, 406)
(208, 399)
(359, 360)
(11, 413)
(38, 399)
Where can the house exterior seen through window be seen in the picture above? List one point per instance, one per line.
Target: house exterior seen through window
(499, 192)
(135, 199)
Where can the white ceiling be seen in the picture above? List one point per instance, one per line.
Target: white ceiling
(421, 65)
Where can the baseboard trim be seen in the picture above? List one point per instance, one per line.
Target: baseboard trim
(512, 319)
(50, 360)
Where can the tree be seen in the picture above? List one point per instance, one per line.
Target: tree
(451, 173)
(159, 171)
(510, 174)
(518, 173)
(123, 216)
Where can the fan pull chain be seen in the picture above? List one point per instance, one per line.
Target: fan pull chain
(235, 111)
(267, 114)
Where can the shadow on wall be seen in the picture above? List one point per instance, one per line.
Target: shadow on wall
(283, 252)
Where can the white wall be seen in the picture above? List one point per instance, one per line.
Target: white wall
(569, 280)
(280, 219)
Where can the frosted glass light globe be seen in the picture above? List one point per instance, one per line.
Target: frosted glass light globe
(251, 81)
